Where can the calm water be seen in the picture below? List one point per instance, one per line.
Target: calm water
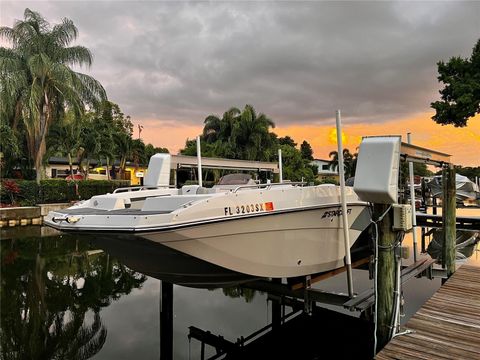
(63, 297)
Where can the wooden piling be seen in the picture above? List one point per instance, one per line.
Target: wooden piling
(449, 218)
(166, 321)
(385, 275)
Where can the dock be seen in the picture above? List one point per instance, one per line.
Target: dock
(462, 222)
(448, 324)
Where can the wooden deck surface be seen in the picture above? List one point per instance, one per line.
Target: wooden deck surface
(448, 324)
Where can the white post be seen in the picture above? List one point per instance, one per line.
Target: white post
(346, 227)
(280, 168)
(199, 161)
(412, 201)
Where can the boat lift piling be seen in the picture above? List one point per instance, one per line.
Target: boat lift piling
(346, 233)
(412, 201)
(280, 166)
(199, 161)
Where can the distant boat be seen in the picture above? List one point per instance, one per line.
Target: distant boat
(264, 230)
(465, 189)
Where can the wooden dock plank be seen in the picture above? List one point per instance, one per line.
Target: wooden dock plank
(448, 324)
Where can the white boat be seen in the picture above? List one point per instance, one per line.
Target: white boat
(265, 230)
(465, 189)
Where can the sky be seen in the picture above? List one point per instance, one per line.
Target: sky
(171, 64)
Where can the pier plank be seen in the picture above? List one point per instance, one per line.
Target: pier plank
(448, 324)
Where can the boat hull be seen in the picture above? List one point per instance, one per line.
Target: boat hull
(284, 244)
(166, 264)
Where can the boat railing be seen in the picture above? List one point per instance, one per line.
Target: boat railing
(138, 188)
(268, 186)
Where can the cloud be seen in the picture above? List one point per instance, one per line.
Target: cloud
(295, 61)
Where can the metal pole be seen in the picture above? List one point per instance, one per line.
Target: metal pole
(346, 227)
(280, 167)
(412, 201)
(199, 161)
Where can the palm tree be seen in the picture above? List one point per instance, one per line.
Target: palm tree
(64, 137)
(349, 162)
(250, 135)
(37, 82)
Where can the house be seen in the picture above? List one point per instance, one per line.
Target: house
(324, 171)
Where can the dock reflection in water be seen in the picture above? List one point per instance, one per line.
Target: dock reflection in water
(63, 297)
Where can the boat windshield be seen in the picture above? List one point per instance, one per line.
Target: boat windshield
(236, 179)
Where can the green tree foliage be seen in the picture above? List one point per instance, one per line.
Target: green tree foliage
(418, 169)
(52, 294)
(461, 94)
(37, 81)
(287, 140)
(306, 150)
(246, 135)
(239, 135)
(9, 150)
(349, 162)
(295, 167)
(64, 138)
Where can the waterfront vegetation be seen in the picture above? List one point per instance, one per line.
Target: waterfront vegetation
(48, 109)
(246, 135)
(29, 192)
(53, 290)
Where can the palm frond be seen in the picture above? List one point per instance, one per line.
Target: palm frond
(75, 55)
(64, 33)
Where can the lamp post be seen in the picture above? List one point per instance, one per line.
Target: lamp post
(140, 127)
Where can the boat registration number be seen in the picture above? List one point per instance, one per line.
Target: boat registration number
(248, 208)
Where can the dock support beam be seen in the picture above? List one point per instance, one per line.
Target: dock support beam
(385, 275)
(449, 218)
(166, 320)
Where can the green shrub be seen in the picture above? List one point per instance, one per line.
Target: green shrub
(56, 190)
(29, 191)
(59, 190)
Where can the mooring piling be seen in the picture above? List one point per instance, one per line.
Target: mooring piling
(448, 217)
(385, 273)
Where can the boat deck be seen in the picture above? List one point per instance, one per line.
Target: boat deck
(447, 326)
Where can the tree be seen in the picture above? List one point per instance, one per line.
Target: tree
(250, 135)
(349, 162)
(287, 140)
(238, 135)
(64, 137)
(9, 150)
(306, 150)
(294, 167)
(37, 82)
(461, 94)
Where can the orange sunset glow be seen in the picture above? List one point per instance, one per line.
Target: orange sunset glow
(462, 143)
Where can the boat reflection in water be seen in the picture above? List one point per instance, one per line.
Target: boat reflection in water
(466, 242)
(163, 263)
(284, 337)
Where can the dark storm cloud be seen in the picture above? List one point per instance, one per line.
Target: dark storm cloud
(295, 61)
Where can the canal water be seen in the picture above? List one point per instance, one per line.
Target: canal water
(71, 298)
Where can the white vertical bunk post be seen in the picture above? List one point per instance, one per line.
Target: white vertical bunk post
(412, 201)
(199, 161)
(346, 227)
(280, 167)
